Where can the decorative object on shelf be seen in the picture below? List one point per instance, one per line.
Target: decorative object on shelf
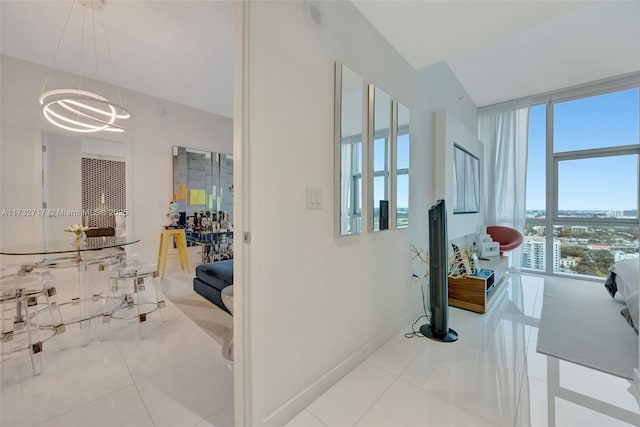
(474, 262)
(206, 223)
(190, 224)
(173, 214)
(224, 221)
(76, 109)
(79, 235)
(461, 266)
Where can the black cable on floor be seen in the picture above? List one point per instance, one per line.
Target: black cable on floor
(413, 332)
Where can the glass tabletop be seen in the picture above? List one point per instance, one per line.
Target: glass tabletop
(207, 237)
(65, 246)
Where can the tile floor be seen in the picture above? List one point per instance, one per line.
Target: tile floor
(174, 376)
(492, 376)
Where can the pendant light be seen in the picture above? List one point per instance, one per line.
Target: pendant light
(77, 109)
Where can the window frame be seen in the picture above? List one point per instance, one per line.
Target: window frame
(356, 197)
(553, 160)
(385, 173)
(596, 153)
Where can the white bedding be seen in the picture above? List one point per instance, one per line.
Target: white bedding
(627, 281)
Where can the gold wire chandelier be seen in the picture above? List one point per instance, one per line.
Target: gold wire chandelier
(79, 110)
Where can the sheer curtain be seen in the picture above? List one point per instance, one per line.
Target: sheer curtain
(505, 131)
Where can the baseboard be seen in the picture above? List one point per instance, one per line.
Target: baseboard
(293, 407)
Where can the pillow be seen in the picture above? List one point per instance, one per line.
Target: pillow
(624, 279)
(627, 276)
(610, 283)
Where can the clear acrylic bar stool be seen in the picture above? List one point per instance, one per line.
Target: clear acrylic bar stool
(30, 313)
(137, 300)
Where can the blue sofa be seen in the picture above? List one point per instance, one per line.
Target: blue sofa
(212, 278)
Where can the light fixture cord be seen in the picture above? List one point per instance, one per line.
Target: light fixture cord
(84, 16)
(95, 43)
(113, 68)
(55, 53)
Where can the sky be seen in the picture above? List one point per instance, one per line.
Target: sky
(609, 183)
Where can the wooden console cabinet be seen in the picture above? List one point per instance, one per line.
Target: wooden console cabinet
(476, 294)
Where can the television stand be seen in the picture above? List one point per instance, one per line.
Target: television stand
(477, 293)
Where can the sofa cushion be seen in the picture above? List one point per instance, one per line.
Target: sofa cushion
(217, 274)
(209, 292)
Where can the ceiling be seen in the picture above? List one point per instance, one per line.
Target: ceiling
(178, 50)
(182, 50)
(503, 50)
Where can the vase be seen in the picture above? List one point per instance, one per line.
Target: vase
(78, 239)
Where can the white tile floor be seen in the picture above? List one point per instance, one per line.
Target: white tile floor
(492, 376)
(174, 376)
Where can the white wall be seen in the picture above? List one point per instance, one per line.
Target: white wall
(156, 125)
(319, 304)
(439, 89)
(450, 131)
(63, 182)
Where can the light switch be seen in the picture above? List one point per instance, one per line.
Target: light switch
(314, 198)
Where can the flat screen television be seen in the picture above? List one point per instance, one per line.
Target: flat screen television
(438, 328)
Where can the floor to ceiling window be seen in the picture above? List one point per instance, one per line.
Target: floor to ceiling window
(583, 182)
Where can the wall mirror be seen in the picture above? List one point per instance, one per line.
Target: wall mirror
(402, 167)
(466, 181)
(202, 182)
(381, 148)
(349, 102)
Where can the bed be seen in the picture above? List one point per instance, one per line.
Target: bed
(624, 281)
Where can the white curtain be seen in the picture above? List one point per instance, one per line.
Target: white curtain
(504, 132)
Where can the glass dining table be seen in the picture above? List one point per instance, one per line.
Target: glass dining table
(84, 302)
(53, 247)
